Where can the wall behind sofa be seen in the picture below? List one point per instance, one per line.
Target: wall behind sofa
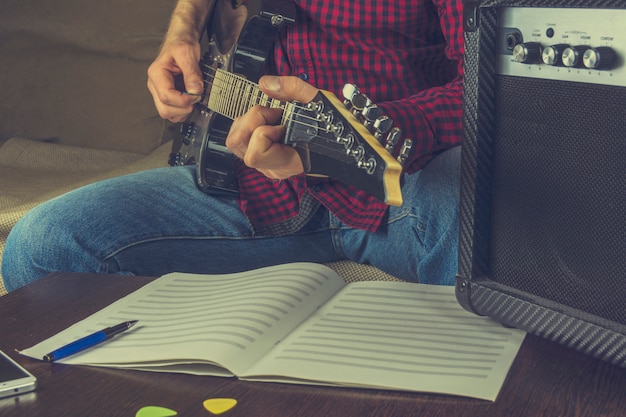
(74, 71)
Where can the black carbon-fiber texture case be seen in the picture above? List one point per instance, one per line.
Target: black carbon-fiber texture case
(543, 197)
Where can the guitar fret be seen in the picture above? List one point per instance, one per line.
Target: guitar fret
(240, 103)
(238, 108)
(287, 113)
(235, 103)
(260, 98)
(263, 99)
(248, 97)
(232, 96)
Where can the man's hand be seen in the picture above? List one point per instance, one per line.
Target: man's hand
(177, 58)
(256, 137)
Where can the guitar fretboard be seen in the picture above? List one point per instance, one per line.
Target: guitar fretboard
(232, 96)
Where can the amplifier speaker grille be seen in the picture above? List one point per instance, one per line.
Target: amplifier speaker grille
(558, 193)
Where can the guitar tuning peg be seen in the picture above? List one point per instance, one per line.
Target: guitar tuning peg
(349, 91)
(382, 126)
(370, 114)
(353, 98)
(392, 138)
(405, 150)
(359, 102)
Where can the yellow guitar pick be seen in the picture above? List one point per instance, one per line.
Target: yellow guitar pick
(219, 405)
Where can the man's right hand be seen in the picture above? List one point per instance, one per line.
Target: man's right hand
(178, 58)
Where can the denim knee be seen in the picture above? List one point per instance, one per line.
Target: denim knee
(41, 242)
(25, 241)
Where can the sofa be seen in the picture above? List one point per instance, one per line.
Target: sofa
(74, 107)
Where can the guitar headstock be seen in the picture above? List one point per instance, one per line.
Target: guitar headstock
(341, 140)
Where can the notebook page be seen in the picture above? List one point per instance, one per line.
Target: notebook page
(198, 320)
(399, 336)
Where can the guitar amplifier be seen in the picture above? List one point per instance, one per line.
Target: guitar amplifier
(543, 187)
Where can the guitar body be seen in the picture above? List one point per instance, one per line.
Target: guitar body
(241, 35)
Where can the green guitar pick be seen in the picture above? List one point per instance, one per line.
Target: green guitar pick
(155, 411)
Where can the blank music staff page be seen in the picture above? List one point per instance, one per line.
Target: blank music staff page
(300, 323)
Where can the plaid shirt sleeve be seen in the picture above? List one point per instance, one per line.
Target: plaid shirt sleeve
(405, 55)
(432, 117)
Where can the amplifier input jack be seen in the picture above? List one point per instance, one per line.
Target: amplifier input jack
(512, 39)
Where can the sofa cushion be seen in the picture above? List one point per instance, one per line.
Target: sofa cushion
(74, 71)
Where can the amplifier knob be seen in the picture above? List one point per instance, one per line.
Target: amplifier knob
(599, 58)
(553, 54)
(527, 53)
(573, 56)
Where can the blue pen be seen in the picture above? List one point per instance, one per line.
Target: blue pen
(88, 341)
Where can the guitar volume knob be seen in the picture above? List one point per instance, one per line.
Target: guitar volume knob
(187, 130)
(175, 159)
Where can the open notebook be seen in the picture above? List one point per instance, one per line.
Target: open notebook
(301, 323)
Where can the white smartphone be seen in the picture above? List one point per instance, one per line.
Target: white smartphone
(14, 379)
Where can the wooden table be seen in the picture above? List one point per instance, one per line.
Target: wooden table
(546, 379)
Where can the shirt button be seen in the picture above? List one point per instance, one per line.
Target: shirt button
(303, 76)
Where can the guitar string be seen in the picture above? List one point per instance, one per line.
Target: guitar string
(231, 82)
(233, 79)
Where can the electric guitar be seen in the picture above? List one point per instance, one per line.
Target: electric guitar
(334, 138)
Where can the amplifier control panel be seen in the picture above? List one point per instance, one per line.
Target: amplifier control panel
(569, 44)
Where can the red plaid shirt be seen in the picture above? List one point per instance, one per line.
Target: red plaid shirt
(405, 55)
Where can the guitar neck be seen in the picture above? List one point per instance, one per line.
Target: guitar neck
(232, 96)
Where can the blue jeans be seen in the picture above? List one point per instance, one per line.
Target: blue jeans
(157, 221)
